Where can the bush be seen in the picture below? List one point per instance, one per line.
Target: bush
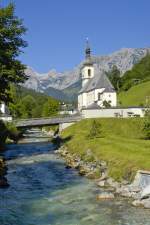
(106, 104)
(95, 130)
(13, 133)
(146, 127)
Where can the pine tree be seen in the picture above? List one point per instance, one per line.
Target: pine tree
(146, 127)
(114, 77)
(95, 130)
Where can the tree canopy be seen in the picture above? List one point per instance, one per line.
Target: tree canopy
(11, 45)
(31, 104)
(50, 108)
(114, 77)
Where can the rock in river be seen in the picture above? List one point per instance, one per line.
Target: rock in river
(105, 195)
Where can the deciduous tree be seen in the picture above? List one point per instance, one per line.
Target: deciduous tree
(11, 45)
(50, 108)
(114, 77)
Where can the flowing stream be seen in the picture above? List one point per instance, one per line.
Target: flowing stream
(43, 192)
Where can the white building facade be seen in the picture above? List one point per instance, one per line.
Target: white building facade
(2, 108)
(4, 113)
(97, 91)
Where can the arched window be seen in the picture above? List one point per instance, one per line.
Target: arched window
(89, 72)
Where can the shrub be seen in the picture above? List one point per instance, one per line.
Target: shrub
(106, 104)
(146, 127)
(95, 130)
(13, 133)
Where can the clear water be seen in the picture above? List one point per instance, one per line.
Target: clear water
(43, 192)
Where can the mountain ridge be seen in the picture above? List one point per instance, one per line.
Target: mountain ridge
(47, 83)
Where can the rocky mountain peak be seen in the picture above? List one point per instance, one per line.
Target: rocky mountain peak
(124, 59)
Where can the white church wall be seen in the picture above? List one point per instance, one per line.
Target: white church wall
(113, 112)
(86, 99)
(80, 101)
(85, 72)
(85, 75)
(90, 97)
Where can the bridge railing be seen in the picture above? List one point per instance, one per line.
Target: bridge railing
(46, 118)
(46, 121)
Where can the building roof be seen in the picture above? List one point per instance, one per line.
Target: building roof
(92, 106)
(100, 80)
(87, 62)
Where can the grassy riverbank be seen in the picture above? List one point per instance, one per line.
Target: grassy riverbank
(122, 144)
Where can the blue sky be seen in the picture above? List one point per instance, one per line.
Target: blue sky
(57, 29)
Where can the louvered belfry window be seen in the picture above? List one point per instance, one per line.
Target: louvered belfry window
(89, 72)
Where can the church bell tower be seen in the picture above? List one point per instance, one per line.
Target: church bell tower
(87, 70)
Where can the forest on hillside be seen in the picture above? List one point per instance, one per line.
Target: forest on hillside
(134, 86)
(30, 104)
(138, 74)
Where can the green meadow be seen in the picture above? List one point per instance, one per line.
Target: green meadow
(121, 144)
(136, 95)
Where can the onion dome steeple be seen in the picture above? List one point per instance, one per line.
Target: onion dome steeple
(87, 50)
(88, 59)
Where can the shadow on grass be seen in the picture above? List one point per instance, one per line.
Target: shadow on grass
(58, 141)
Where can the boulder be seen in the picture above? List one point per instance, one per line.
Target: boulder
(112, 183)
(137, 203)
(93, 174)
(146, 203)
(101, 183)
(3, 182)
(142, 203)
(134, 188)
(104, 175)
(58, 151)
(146, 192)
(124, 182)
(103, 164)
(124, 191)
(83, 170)
(105, 195)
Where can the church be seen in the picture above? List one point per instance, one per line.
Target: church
(97, 91)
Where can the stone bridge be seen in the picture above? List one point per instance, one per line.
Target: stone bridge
(63, 122)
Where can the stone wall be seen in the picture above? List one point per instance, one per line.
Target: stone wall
(113, 112)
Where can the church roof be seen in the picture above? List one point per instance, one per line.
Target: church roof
(87, 62)
(93, 106)
(100, 80)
